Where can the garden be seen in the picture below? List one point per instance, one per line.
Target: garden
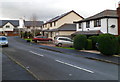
(107, 44)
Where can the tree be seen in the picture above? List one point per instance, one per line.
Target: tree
(34, 23)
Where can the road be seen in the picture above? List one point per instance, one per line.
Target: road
(49, 65)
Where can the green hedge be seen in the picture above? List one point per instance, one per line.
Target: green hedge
(107, 44)
(118, 45)
(80, 42)
(94, 41)
(89, 44)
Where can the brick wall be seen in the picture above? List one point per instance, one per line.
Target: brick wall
(118, 12)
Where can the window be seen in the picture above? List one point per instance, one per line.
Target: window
(88, 24)
(80, 25)
(54, 23)
(50, 24)
(65, 39)
(7, 26)
(51, 34)
(97, 23)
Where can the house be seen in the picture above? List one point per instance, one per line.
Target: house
(64, 30)
(55, 26)
(107, 21)
(9, 27)
(33, 25)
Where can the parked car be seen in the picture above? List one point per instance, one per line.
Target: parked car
(3, 41)
(41, 38)
(60, 41)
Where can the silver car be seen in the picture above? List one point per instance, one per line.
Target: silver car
(3, 41)
(60, 41)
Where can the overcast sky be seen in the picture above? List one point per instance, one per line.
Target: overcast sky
(46, 9)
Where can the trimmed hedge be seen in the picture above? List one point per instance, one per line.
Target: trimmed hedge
(80, 42)
(107, 44)
(94, 41)
(89, 44)
(118, 45)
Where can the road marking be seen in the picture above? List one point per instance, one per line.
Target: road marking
(75, 66)
(36, 53)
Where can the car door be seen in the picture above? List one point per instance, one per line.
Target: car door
(68, 41)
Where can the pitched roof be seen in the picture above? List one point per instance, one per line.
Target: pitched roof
(33, 23)
(61, 16)
(103, 14)
(13, 22)
(67, 27)
(94, 32)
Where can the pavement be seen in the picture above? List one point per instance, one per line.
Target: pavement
(84, 53)
(12, 71)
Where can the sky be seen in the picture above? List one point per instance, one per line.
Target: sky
(47, 9)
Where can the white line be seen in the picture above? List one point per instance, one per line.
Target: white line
(74, 66)
(36, 53)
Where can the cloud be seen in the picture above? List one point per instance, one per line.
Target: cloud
(46, 9)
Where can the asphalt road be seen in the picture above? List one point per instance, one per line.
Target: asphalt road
(49, 65)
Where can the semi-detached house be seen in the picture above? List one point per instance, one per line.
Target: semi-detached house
(9, 27)
(107, 21)
(61, 25)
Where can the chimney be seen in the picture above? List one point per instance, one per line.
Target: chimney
(118, 12)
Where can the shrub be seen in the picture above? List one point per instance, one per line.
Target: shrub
(80, 42)
(94, 41)
(118, 45)
(89, 44)
(107, 44)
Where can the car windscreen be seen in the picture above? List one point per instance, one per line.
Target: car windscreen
(3, 38)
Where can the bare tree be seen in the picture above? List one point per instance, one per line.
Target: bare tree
(34, 23)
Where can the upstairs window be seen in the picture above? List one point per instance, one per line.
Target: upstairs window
(7, 26)
(97, 23)
(88, 24)
(50, 24)
(54, 23)
(80, 25)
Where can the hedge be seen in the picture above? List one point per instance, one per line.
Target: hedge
(118, 45)
(89, 44)
(80, 42)
(107, 44)
(94, 41)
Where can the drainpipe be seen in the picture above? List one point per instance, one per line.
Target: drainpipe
(107, 26)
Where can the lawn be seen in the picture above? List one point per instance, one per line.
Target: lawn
(66, 48)
(28, 39)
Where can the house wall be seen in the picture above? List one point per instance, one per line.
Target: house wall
(70, 18)
(103, 28)
(118, 12)
(7, 29)
(60, 33)
(66, 32)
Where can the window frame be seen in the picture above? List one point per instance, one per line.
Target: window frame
(97, 23)
(88, 24)
(7, 26)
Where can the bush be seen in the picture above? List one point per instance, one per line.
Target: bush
(80, 42)
(118, 45)
(89, 44)
(94, 41)
(107, 44)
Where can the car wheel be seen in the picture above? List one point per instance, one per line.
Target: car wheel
(60, 44)
(6, 45)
